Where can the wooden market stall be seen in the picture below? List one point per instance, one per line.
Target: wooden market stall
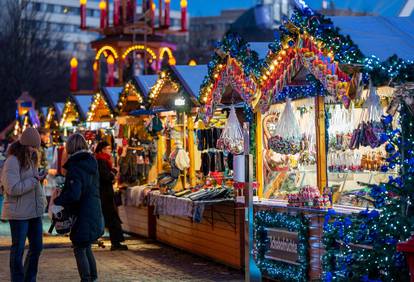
(136, 218)
(311, 152)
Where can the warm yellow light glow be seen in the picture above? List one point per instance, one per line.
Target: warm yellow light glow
(192, 63)
(183, 3)
(95, 66)
(139, 47)
(153, 6)
(73, 63)
(83, 2)
(105, 48)
(172, 61)
(167, 1)
(102, 5)
(110, 60)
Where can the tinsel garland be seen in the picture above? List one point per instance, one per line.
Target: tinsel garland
(277, 269)
(236, 47)
(393, 69)
(362, 247)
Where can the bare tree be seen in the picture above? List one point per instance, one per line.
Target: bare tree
(30, 58)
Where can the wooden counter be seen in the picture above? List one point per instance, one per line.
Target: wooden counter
(219, 236)
(138, 220)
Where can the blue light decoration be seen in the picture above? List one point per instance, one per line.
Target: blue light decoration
(362, 247)
(313, 88)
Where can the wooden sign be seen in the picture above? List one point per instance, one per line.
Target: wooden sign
(283, 245)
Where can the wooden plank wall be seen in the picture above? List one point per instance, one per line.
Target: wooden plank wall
(213, 237)
(134, 220)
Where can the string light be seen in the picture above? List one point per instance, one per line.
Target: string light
(104, 49)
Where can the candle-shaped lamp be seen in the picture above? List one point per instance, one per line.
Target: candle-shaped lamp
(95, 68)
(116, 12)
(167, 13)
(102, 7)
(153, 7)
(83, 14)
(110, 78)
(183, 4)
(73, 74)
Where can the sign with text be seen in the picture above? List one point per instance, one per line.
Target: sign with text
(283, 245)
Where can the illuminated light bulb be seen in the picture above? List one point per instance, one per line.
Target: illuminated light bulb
(183, 3)
(73, 63)
(102, 5)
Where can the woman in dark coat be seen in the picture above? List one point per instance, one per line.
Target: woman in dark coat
(106, 178)
(80, 196)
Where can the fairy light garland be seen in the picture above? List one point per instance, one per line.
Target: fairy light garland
(129, 90)
(165, 77)
(98, 101)
(69, 110)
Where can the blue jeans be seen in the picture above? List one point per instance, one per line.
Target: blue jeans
(85, 262)
(20, 230)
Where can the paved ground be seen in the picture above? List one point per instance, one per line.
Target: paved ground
(145, 261)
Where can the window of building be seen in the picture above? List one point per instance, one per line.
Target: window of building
(50, 8)
(58, 9)
(89, 12)
(96, 13)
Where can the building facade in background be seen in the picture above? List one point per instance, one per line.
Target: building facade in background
(62, 17)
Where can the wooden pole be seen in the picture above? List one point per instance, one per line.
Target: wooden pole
(191, 150)
(184, 147)
(259, 153)
(160, 152)
(322, 177)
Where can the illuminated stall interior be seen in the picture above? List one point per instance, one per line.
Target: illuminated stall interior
(175, 97)
(135, 92)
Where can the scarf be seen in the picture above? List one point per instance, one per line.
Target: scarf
(104, 157)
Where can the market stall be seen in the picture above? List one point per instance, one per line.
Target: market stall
(325, 145)
(135, 142)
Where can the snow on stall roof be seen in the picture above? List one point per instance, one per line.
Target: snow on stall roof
(380, 36)
(145, 82)
(112, 94)
(83, 101)
(191, 77)
(260, 47)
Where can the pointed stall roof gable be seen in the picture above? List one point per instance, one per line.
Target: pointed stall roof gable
(44, 111)
(112, 95)
(191, 77)
(145, 82)
(59, 108)
(83, 102)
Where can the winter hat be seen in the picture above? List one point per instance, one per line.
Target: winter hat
(30, 137)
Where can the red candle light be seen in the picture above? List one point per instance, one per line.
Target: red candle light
(183, 4)
(102, 7)
(110, 76)
(73, 74)
(83, 14)
(95, 75)
(167, 21)
(116, 12)
(153, 7)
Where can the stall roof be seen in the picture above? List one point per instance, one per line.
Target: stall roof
(112, 95)
(83, 101)
(191, 77)
(380, 36)
(44, 110)
(59, 108)
(145, 82)
(260, 47)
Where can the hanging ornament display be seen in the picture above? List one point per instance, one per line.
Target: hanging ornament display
(231, 138)
(287, 138)
(370, 128)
